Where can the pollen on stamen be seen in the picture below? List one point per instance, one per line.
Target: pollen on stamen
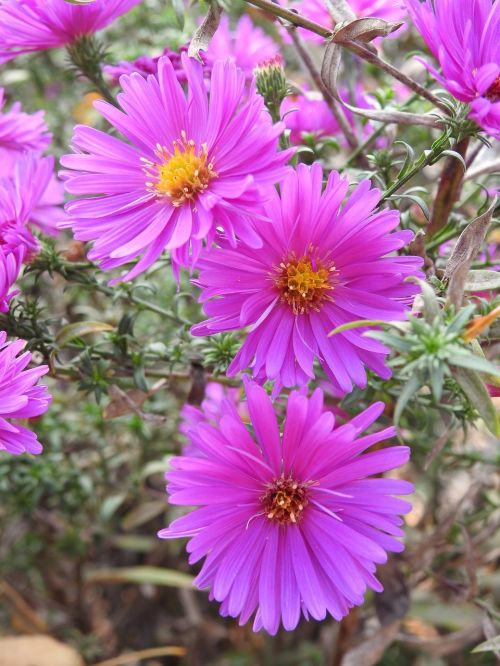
(181, 174)
(305, 283)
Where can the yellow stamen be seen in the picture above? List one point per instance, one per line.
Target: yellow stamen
(181, 174)
(304, 284)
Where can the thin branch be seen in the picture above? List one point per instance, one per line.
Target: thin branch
(333, 105)
(363, 52)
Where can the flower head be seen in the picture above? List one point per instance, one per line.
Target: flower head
(192, 163)
(20, 397)
(288, 524)
(247, 45)
(145, 65)
(36, 25)
(310, 114)
(30, 195)
(464, 38)
(322, 264)
(20, 132)
(218, 401)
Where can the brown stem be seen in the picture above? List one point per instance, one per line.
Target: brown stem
(450, 186)
(327, 96)
(361, 51)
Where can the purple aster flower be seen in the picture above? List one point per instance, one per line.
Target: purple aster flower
(29, 195)
(465, 38)
(247, 45)
(309, 113)
(218, 401)
(20, 132)
(36, 25)
(322, 264)
(193, 163)
(20, 397)
(316, 10)
(289, 524)
(145, 65)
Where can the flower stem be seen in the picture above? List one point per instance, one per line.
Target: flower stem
(360, 50)
(450, 185)
(86, 56)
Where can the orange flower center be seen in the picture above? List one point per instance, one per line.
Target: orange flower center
(304, 283)
(493, 92)
(285, 500)
(180, 174)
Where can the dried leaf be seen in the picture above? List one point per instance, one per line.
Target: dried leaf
(491, 645)
(370, 651)
(140, 655)
(80, 329)
(203, 35)
(480, 324)
(482, 280)
(143, 514)
(329, 74)
(473, 387)
(464, 252)
(363, 30)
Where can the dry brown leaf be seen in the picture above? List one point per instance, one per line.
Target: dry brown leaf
(203, 35)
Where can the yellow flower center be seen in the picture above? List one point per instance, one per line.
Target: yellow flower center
(285, 500)
(180, 174)
(304, 284)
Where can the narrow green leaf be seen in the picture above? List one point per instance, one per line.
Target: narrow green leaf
(140, 576)
(408, 391)
(475, 390)
(359, 323)
(459, 357)
(431, 304)
(457, 156)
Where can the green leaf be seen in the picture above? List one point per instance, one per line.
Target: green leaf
(359, 323)
(457, 156)
(475, 390)
(463, 359)
(80, 329)
(458, 322)
(491, 645)
(482, 280)
(408, 391)
(140, 576)
(431, 304)
(180, 12)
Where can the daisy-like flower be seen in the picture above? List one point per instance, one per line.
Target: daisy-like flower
(290, 523)
(37, 25)
(193, 163)
(218, 401)
(20, 132)
(20, 397)
(310, 114)
(465, 39)
(322, 264)
(316, 10)
(247, 45)
(30, 195)
(145, 65)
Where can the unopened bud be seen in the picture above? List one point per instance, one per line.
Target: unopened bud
(272, 84)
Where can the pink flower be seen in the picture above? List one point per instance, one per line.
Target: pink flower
(323, 263)
(36, 25)
(290, 523)
(247, 45)
(218, 401)
(465, 38)
(20, 132)
(193, 163)
(20, 397)
(310, 114)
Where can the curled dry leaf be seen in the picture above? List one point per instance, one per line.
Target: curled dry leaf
(363, 30)
(464, 252)
(330, 71)
(203, 35)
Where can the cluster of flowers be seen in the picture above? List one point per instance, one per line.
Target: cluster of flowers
(289, 521)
